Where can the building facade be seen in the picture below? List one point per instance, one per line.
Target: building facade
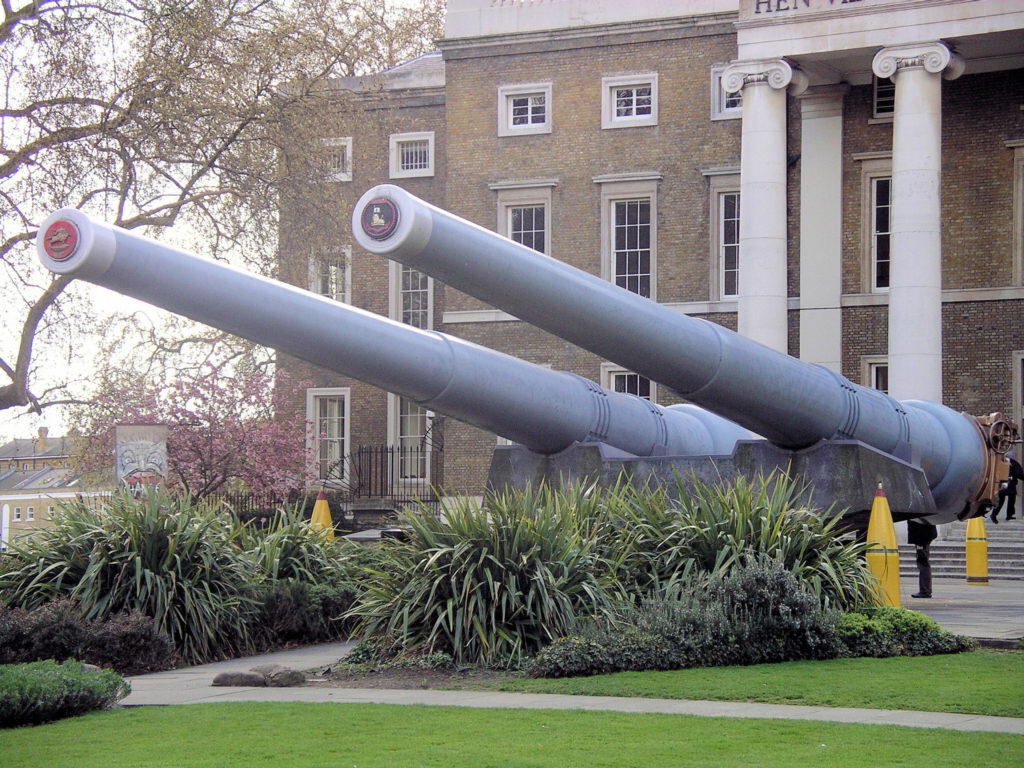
(840, 180)
(35, 475)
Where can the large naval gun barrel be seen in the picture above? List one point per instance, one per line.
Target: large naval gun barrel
(544, 410)
(791, 403)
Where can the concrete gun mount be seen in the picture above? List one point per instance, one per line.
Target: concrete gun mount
(841, 437)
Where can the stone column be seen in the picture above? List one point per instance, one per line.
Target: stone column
(763, 294)
(821, 225)
(915, 270)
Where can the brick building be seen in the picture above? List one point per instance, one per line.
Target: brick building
(875, 148)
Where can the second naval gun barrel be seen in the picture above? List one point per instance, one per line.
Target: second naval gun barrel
(544, 410)
(791, 403)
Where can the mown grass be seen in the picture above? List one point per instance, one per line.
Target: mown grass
(383, 736)
(984, 682)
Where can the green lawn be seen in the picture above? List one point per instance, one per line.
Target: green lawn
(982, 682)
(379, 736)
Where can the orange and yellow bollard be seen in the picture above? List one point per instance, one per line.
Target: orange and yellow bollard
(883, 556)
(977, 552)
(322, 515)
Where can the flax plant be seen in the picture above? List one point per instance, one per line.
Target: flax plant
(487, 584)
(157, 555)
(725, 526)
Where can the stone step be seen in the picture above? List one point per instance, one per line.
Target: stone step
(949, 559)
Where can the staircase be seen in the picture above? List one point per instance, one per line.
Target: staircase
(948, 553)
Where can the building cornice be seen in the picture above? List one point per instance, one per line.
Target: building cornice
(571, 38)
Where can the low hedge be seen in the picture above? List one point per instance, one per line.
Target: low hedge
(42, 691)
(887, 631)
(755, 615)
(128, 643)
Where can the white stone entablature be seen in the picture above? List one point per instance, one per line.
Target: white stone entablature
(479, 18)
(842, 37)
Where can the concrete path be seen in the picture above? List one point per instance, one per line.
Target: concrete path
(995, 612)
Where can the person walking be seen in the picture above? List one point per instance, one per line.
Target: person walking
(1008, 491)
(921, 534)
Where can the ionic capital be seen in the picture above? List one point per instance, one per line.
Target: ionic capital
(935, 57)
(778, 73)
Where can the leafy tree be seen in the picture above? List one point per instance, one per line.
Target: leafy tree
(159, 113)
(228, 424)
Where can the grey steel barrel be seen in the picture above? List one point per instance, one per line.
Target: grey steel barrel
(544, 410)
(791, 403)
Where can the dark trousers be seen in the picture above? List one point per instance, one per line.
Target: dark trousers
(1011, 503)
(924, 571)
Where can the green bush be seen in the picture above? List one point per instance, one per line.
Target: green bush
(486, 585)
(157, 556)
(292, 611)
(127, 643)
(757, 613)
(45, 690)
(890, 631)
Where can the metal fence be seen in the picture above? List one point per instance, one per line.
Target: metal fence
(370, 477)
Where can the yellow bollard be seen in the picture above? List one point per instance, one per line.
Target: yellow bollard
(883, 555)
(977, 552)
(322, 515)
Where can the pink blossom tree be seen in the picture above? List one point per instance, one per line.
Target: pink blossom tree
(231, 427)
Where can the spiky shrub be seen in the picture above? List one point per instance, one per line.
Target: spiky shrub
(709, 530)
(486, 584)
(290, 548)
(158, 556)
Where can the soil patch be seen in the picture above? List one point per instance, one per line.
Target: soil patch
(404, 677)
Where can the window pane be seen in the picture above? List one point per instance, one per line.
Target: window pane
(414, 155)
(632, 384)
(632, 245)
(412, 433)
(330, 437)
(880, 226)
(729, 243)
(526, 226)
(414, 289)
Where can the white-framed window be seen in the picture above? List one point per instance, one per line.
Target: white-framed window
(875, 372)
(883, 98)
(631, 244)
(524, 109)
(409, 428)
(724, 218)
(620, 380)
(411, 154)
(411, 296)
(524, 213)
(327, 411)
(876, 220)
(17, 513)
(881, 232)
(339, 158)
(629, 215)
(330, 273)
(49, 513)
(30, 513)
(629, 100)
(724, 106)
(527, 225)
